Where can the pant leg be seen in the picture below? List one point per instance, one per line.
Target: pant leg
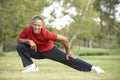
(26, 53)
(58, 55)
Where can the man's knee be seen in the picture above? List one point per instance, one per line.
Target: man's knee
(21, 46)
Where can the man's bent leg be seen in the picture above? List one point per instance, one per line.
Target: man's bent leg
(23, 51)
(60, 56)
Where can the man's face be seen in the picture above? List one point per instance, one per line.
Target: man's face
(37, 25)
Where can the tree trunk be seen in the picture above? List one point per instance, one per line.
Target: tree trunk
(73, 39)
(1, 40)
(83, 14)
(90, 45)
(1, 47)
(86, 43)
(78, 51)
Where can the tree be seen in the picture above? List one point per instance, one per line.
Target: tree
(107, 10)
(80, 21)
(15, 15)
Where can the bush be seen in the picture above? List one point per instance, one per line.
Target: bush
(1, 53)
(94, 53)
(10, 45)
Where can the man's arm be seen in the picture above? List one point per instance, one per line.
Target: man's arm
(65, 42)
(32, 44)
(21, 40)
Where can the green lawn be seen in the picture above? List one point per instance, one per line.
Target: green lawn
(11, 66)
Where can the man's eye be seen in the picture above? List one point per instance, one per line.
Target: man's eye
(35, 25)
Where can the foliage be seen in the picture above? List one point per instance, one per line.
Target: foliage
(87, 51)
(15, 15)
(1, 54)
(107, 10)
(93, 53)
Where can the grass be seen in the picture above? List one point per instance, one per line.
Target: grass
(11, 66)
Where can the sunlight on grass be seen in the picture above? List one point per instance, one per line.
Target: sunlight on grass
(11, 66)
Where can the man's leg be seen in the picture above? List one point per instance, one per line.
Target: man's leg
(60, 56)
(24, 52)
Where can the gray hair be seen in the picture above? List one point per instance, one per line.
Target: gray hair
(38, 18)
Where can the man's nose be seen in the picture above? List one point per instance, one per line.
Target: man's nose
(37, 27)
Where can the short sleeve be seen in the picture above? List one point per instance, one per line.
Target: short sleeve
(49, 35)
(23, 34)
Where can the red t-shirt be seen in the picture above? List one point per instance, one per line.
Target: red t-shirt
(44, 40)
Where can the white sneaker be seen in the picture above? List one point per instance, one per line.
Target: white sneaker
(97, 69)
(31, 69)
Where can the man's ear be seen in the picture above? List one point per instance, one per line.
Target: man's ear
(42, 24)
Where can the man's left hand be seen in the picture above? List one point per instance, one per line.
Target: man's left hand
(68, 55)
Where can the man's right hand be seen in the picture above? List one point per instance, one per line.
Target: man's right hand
(32, 44)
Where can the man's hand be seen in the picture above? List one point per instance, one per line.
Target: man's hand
(32, 44)
(68, 55)
(65, 42)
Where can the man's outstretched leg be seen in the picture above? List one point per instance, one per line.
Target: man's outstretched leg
(78, 64)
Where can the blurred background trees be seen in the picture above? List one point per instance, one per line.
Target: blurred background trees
(15, 15)
(94, 25)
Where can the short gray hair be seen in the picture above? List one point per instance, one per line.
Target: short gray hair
(37, 17)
